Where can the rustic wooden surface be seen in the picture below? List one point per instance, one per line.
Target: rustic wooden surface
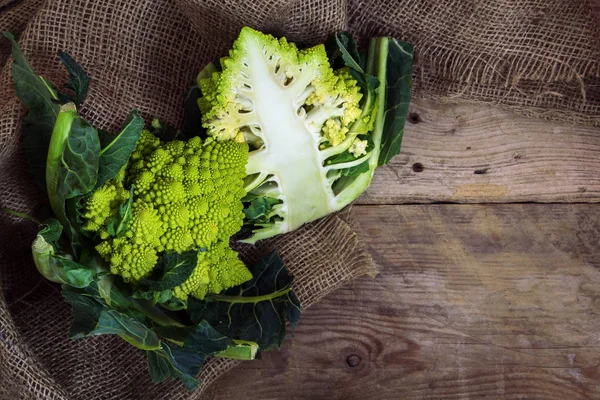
(473, 301)
(474, 153)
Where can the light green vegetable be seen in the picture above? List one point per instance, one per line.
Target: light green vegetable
(184, 196)
(317, 121)
(141, 227)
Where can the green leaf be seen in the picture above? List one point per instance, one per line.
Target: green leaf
(171, 270)
(206, 340)
(346, 45)
(41, 98)
(74, 274)
(174, 333)
(56, 267)
(112, 322)
(51, 231)
(77, 173)
(256, 311)
(185, 362)
(398, 86)
(118, 224)
(159, 365)
(85, 311)
(79, 167)
(78, 81)
(91, 318)
(171, 361)
(356, 170)
(259, 208)
(115, 154)
(342, 51)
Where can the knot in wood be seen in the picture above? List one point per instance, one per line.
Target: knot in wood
(353, 360)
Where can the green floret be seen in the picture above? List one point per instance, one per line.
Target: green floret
(186, 196)
(217, 270)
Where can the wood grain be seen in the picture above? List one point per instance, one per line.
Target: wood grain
(478, 153)
(473, 301)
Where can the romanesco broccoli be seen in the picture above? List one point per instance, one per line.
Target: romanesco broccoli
(316, 132)
(186, 196)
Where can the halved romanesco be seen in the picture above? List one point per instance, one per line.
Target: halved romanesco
(298, 115)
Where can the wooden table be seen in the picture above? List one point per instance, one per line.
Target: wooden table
(476, 297)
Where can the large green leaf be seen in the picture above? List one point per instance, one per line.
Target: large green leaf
(79, 167)
(41, 98)
(398, 86)
(77, 174)
(258, 310)
(112, 322)
(185, 361)
(172, 361)
(91, 317)
(85, 312)
(116, 153)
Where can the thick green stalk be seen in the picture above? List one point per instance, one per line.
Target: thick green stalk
(376, 66)
(58, 142)
(155, 314)
(243, 350)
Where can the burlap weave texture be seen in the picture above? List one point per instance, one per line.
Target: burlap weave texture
(539, 57)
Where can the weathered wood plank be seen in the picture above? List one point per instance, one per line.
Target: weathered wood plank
(473, 301)
(479, 153)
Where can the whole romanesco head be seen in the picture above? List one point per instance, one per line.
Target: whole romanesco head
(186, 196)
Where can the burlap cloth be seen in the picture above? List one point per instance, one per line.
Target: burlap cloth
(539, 57)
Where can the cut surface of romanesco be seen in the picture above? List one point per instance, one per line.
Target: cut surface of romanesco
(297, 113)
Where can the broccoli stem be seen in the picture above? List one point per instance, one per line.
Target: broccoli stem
(377, 65)
(243, 350)
(58, 141)
(154, 313)
(250, 299)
